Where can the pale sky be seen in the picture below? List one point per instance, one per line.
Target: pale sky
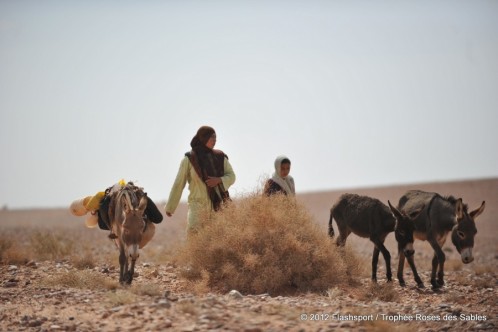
(355, 93)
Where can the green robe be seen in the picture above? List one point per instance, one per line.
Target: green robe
(199, 203)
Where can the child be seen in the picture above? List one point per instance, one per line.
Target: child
(281, 182)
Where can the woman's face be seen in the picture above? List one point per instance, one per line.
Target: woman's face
(284, 169)
(211, 141)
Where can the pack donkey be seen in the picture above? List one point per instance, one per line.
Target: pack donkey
(370, 218)
(129, 227)
(440, 216)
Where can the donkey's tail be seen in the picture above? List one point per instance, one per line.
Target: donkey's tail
(331, 229)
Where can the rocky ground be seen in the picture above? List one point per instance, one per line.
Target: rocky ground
(56, 294)
(35, 297)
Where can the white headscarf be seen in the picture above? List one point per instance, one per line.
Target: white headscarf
(286, 183)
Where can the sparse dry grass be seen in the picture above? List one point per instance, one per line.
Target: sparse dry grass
(52, 245)
(484, 282)
(121, 297)
(453, 265)
(187, 307)
(12, 251)
(334, 292)
(383, 292)
(86, 261)
(146, 289)
(260, 244)
(481, 269)
(381, 326)
(83, 279)
(5, 244)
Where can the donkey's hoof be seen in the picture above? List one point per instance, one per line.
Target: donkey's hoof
(402, 283)
(435, 285)
(440, 282)
(113, 236)
(128, 277)
(421, 285)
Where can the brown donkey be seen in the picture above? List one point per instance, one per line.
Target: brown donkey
(440, 216)
(130, 229)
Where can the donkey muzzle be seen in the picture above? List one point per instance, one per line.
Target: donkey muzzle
(133, 251)
(467, 255)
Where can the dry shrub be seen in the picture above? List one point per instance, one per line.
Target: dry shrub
(265, 244)
(50, 245)
(84, 279)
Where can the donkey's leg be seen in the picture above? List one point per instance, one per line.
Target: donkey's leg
(122, 265)
(401, 266)
(375, 260)
(435, 264)
(419, 282)
(131, 272)
(438, 260)
(387, 256)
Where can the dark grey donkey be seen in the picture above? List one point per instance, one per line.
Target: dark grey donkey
(370, 218)
(440, 216)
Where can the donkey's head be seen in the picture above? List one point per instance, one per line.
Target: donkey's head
(133, 225)
(465, 230)
(403, 231)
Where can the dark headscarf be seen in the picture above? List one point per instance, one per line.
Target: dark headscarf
(202, 137)
(208, 162)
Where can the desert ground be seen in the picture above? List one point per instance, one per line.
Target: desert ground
(58, 275)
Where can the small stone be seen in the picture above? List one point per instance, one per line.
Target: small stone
(12, 268)
(35, 323)
(31, 264)
(166, 324)
(164, 303)
(169, 296)
(234, 294)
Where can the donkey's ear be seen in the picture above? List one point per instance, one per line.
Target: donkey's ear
(459, 209)
(395, 211)
(143, 204)
(474, 214)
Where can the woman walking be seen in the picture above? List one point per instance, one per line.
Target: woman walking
(209, 175)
